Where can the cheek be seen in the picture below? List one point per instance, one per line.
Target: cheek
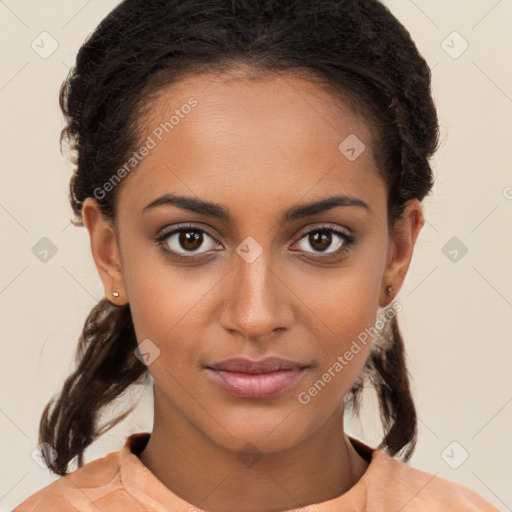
(346, 299)
(342, 350)
(168, 307)
(161, 295)
(342, 307)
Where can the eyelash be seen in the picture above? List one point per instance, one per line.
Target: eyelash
(348, 240)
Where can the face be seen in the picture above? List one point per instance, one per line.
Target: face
(256, 274)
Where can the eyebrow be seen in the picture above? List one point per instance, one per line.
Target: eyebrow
(221, 212)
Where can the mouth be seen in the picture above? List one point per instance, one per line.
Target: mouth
(256, 379)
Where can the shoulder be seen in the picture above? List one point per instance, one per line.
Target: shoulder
(409, 489)
(96, 484)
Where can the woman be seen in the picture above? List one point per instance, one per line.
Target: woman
(250, 173)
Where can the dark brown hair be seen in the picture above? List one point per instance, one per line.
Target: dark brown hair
(355, 47)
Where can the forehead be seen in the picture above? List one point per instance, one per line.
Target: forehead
(277, 135)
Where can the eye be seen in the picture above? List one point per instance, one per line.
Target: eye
(326, 240)
(184, 242)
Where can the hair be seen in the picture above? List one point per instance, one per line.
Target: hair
(357, 48)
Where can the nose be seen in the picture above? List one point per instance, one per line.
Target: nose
(257, 301)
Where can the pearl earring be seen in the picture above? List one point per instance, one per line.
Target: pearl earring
(115, 294)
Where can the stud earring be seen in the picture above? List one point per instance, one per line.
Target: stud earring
(115, 294)
(389, 290)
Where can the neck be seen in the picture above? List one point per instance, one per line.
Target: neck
(212, 477)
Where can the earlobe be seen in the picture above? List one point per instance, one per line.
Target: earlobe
(405, 233)
(104, 250)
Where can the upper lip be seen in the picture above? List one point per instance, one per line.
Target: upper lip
(266, 365)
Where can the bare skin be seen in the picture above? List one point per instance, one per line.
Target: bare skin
(257, 148)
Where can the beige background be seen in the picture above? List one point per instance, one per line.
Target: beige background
(456, 314)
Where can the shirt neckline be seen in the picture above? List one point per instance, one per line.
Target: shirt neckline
(146, 488)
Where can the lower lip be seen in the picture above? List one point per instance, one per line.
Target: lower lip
(260, 385)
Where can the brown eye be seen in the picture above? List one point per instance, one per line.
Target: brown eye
(323, 239)
(326, 243)
(187, 241)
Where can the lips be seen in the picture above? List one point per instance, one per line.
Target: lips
(246, 378)
(267, 365)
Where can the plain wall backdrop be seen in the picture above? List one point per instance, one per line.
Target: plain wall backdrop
(457, 297)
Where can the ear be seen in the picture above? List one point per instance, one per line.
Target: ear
(105, 251)
(401, 247)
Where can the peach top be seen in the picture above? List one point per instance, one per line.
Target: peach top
(119, 482)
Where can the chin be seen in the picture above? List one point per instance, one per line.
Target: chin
(268, 432)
